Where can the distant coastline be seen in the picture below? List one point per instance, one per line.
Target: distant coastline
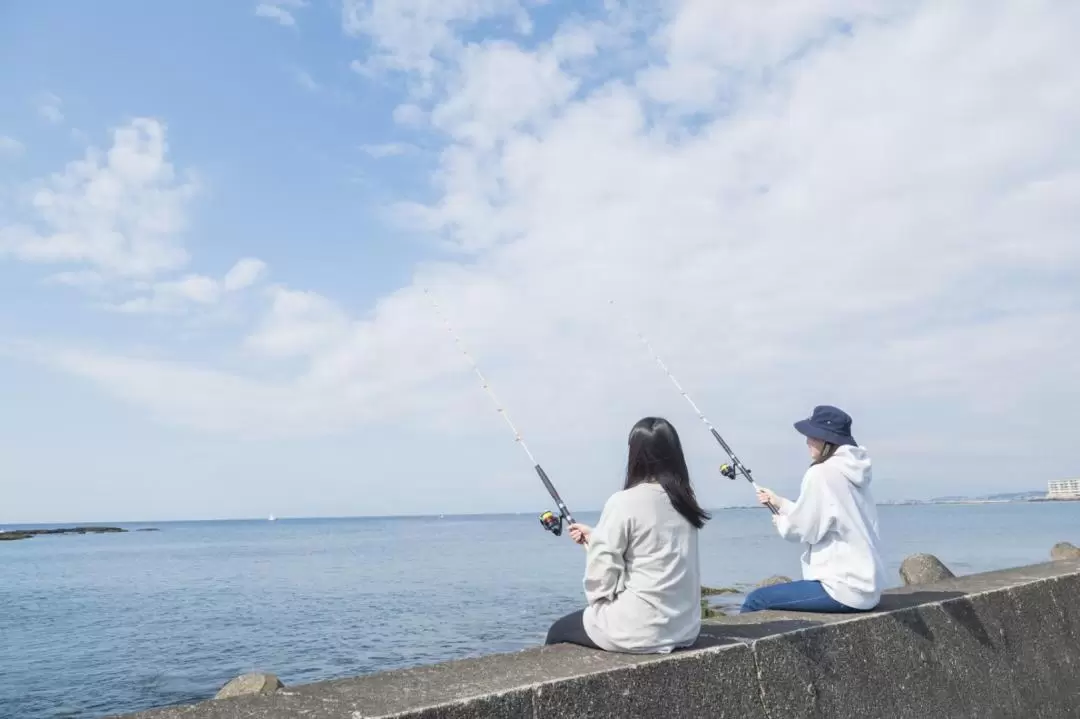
(1004, 498)
(17, 534)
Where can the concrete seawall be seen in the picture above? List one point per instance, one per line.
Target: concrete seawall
(1002, 644)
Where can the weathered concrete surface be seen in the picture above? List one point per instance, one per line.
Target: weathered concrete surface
(990, 646)
(924, 569)
(250, 684)
(565, 680)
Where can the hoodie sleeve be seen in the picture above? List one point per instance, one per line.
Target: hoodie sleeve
(605, 562)
(786, 505)
(812, 515)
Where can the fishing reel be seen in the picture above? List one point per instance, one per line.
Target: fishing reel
(552, 522)
(728, 471)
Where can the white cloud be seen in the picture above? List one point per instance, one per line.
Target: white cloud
(174, 296)
(867, 216)
(244, 274)
(306, 81)
(10, 147)
(299, 324)
(411, 35)
(280, 11)
(48, 106)
(501, 88)
(409, 115)
(79, 279)
(712, 50)
(364, 69)
(120, 213)
(176, 392)
(388, 149)
(179, 296)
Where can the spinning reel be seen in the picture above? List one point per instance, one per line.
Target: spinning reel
(552, 522)
(728, 471)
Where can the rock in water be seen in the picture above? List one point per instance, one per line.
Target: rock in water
(708, 611)
(773, 580)
(924, 569)
(246, 684)
(1063, 551)
(27, 533)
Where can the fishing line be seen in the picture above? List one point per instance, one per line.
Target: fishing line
(731, 471)
(552, 523)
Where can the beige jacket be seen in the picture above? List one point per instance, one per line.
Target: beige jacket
(642, 579)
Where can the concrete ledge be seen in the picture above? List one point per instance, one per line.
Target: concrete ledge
(1002, 644)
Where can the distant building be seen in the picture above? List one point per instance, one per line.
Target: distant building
(1063, 489)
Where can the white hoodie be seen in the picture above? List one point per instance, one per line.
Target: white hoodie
(835, 517)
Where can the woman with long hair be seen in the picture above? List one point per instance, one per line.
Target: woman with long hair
(835, 520)
(642, 578)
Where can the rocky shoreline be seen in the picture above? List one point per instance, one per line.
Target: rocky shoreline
(15, 534)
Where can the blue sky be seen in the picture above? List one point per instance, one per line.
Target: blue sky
(217, 220)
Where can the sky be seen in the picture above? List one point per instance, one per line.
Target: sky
(218, 222)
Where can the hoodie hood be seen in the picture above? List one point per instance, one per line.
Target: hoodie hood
(853, 463)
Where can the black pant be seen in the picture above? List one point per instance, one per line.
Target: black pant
(570, 630)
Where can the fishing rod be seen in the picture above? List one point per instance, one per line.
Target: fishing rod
(550, 521)
(731, 471)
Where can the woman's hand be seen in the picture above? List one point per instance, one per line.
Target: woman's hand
(767, 497)
(580, 533)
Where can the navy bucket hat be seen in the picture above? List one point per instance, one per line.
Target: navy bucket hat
(829, 424)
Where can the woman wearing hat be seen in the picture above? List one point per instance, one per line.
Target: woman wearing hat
(835, 519)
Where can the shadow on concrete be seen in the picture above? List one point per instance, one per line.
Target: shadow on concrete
(718, 635)
(963, 613)
(906, 600)
(901, 607)
(905, 610)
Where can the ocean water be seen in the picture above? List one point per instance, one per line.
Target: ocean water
(93, 625)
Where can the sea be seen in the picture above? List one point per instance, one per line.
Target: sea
(94, 625)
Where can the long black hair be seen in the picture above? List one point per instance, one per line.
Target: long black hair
(656, 455)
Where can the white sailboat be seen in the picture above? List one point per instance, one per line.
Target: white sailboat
(271, 518)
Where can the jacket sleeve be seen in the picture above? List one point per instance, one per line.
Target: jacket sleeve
(812, 515)
(605, 561)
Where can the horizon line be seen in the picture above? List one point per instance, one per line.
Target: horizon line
(427, 515)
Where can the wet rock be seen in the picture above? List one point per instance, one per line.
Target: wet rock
(246, 684)
(774, 580)
(717, 591)
(709, 612)
(1063, 551)
(148, 529)
(924, 569)
(13, 535)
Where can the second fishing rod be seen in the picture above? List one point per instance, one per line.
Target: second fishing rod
(731, 471)
(550, 521)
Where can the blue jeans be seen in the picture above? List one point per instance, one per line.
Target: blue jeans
(801, 596)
